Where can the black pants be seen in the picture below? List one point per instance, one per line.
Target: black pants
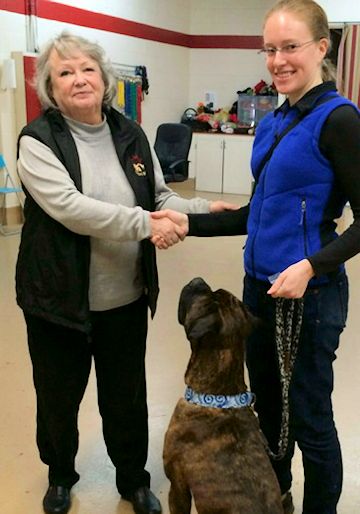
(61, 360)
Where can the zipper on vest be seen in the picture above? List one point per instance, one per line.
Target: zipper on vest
(303, 224)
(252, 248)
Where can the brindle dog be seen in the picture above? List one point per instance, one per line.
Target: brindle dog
(211, 454)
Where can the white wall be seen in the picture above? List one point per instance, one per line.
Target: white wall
(240, 17)
(12, 30)
(341, 11)
(225, 71)
(167, 14)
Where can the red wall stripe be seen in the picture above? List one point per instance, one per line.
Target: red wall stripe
(17, 6)
(217, 41)
(69, 14)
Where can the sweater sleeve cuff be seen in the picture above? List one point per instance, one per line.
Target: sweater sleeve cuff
(316, 266)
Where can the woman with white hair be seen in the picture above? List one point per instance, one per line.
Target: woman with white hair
(86, 270)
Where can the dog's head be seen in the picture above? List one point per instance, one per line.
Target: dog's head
(203, 312)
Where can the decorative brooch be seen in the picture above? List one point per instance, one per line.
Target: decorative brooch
(138, 165)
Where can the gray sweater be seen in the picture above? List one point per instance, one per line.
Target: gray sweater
(105, 210)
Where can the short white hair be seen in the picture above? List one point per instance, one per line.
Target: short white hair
(66, 44)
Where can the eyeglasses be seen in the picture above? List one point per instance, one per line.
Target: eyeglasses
(289, 49)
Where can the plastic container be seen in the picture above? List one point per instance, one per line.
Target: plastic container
(264, 104)
(246, 110)
(251, 109)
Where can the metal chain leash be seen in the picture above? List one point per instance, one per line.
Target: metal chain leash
(288, 321)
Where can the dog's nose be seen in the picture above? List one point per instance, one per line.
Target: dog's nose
(199, 284)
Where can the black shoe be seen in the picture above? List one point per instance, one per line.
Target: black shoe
(143, 501)
(57, 500)
(287, 503)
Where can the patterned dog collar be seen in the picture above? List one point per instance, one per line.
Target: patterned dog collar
(220, 401)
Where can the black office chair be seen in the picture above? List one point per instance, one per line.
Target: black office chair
(172, 145)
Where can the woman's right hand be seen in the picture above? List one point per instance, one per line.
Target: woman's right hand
(168, 227)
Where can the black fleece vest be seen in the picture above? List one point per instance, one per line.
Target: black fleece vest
(52, 272)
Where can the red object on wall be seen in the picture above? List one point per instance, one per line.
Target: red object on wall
(33, 106)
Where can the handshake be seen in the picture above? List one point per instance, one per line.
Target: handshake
(168, 227)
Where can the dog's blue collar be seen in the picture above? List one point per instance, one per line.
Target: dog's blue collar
(220, 401)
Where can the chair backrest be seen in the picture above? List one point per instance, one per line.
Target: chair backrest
(7, 186)
(6, 183)
(172, 143)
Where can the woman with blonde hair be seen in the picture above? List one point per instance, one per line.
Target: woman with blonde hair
(305, 163)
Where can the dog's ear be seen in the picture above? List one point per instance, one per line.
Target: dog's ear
(183, 306)
(251, 322)
(236, 317)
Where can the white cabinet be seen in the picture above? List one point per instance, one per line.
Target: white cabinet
(221, 163)
(237, 178)
(208, 162)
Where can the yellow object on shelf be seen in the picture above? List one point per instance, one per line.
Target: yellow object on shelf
(121, 93)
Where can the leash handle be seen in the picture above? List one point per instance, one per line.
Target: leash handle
(288, 322)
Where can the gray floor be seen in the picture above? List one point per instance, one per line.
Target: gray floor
(219, 260)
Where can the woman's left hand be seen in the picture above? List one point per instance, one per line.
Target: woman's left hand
(293, 281)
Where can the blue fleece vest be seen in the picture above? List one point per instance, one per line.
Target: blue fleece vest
(286, 220)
